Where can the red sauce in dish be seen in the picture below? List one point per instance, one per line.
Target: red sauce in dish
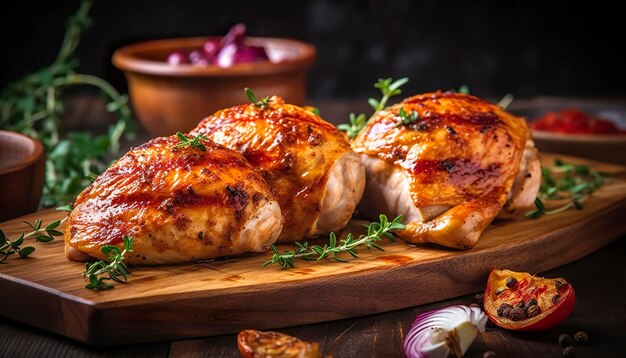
(574, 121)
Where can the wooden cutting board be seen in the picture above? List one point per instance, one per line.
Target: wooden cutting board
(225, 296)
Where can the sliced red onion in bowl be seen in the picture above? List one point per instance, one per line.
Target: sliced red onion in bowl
(444, 332)
(177, 58)
(232, 54)
(235, 35)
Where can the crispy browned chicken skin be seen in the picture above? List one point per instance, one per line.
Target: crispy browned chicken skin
(317, 178)
(180, 204)
(450, 172)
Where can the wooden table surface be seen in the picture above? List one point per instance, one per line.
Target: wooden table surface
(599, 280)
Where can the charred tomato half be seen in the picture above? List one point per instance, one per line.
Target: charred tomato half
(522, 302)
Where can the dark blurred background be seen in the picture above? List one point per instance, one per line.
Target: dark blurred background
(495, 47)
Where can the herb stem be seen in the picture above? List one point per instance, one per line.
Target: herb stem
(574, 183)
(344, 247)
(33, 105)
(115, 269)
(566, 206)
(388, 89)
(104, 86)
(71, 38)
(45, 234)
(40, 231)
(376, 231)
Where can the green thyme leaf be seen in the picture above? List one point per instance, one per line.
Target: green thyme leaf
(25, 251)
(406, 119)
(315, 111)
(357, 122)
(115, 269)
(464, 89)
(388, 88)
(64, 208)
(261, 103)
(192, 143)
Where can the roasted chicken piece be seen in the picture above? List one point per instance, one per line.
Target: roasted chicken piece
(317, 179)
(450, 163)
(180, 204)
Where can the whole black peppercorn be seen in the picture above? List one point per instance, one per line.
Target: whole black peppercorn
(520, 304)
(511, 282)
(489, 354)
(569, 352)
(565, 340)
(531, 302)
(581, 338)
(517, 314)
(504, 310)
(532, 311)
(559, 284)
(555, 298)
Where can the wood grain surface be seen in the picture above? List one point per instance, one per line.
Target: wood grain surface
(184, 301)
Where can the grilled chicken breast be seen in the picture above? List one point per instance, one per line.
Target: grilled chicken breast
(179, 203)
(450, 171)
(316, 177)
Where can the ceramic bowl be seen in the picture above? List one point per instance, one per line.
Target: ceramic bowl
(169, 98)
(604, 148)
(22, 166)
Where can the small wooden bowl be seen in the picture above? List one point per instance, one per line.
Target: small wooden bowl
(170, 98)
(609, 148)
(22, 169)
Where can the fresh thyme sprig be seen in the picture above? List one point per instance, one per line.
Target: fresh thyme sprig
(261, 103)
(566, 181)
(405, 118)
(45, 234)
(357, 122)
(33, 105)
(376, 231)
(100, 271)
(8, 247)
(388, 88)
(191, 142)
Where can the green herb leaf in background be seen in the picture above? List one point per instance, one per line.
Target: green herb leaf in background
(33, 106)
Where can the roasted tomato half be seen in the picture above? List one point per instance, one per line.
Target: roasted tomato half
(522, 302)
(259, 344)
